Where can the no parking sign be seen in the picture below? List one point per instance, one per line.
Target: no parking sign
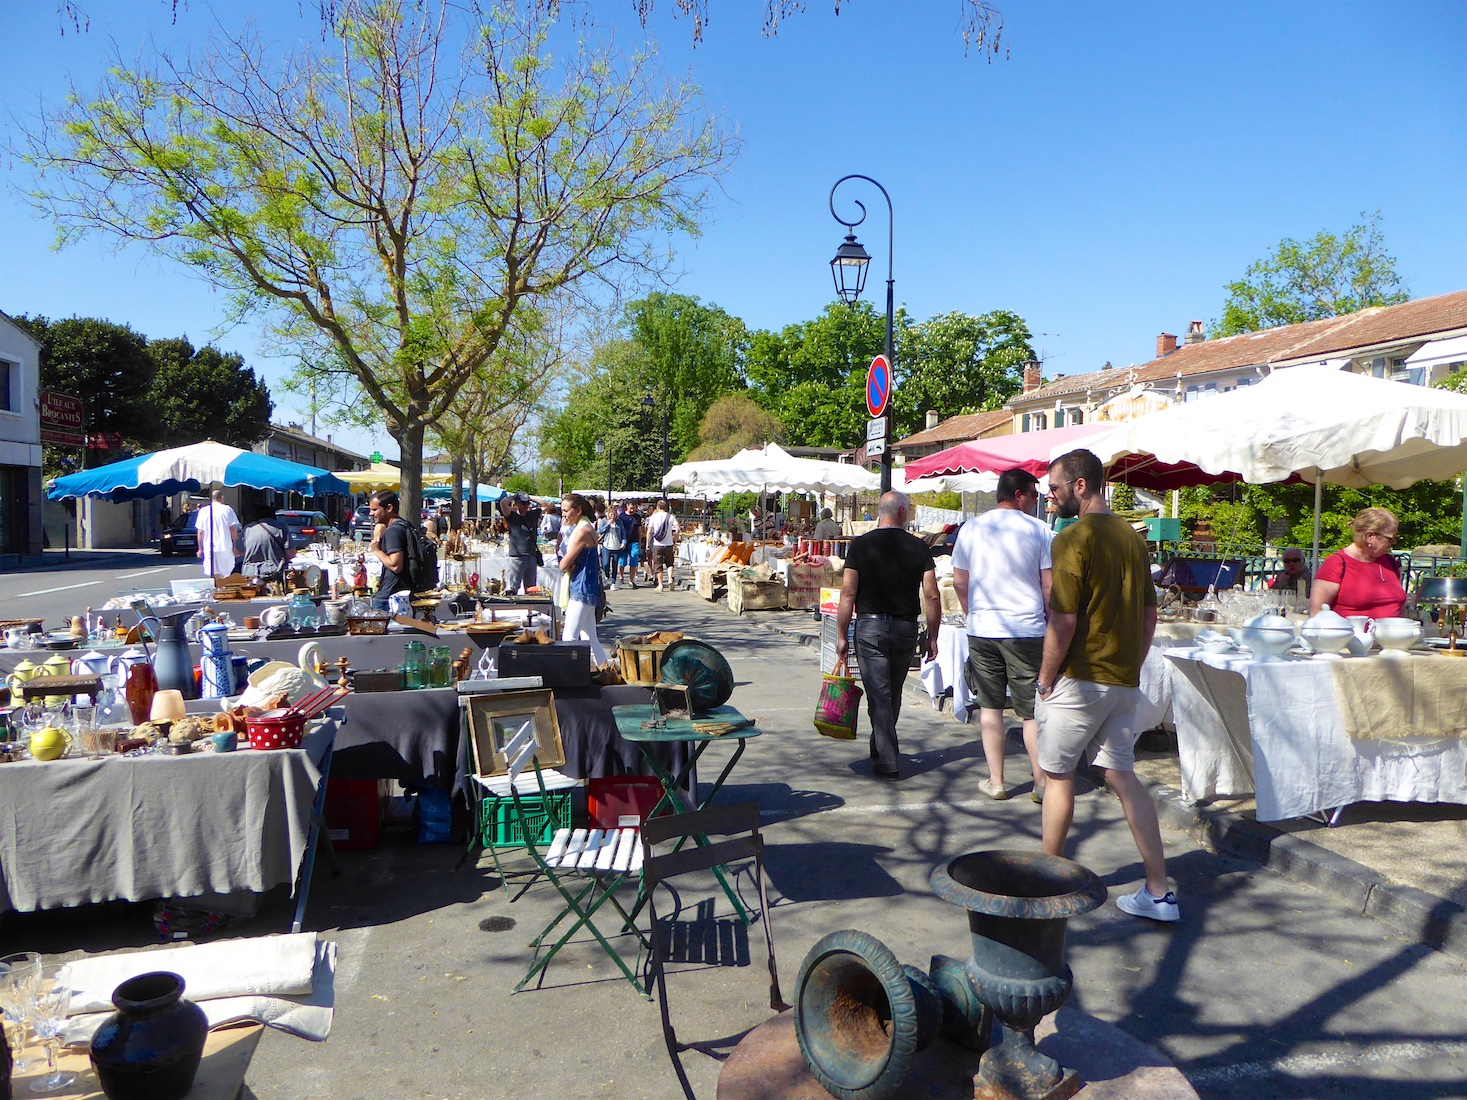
(878, 386)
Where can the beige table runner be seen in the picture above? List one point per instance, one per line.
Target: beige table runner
(1399, 697)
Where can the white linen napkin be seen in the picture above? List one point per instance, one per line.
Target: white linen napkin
(284, 982)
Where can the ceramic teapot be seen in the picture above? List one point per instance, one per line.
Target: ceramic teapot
(91, 663)
(120, 664)
(273, 617)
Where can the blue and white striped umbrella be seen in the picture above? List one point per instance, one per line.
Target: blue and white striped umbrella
(190, 469)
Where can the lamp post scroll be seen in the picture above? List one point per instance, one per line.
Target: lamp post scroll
(848, 269)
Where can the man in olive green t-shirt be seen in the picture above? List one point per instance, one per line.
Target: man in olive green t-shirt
(1102, 615)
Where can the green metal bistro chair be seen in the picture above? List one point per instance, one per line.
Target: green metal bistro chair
(584, 865)
(496, 826)
(724, 821)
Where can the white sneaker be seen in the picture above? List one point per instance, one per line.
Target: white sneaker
(1142, 904)
(611, 588)
(996, 791)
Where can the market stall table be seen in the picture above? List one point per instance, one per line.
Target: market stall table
(642, 726)
(77, 831)
(1283, 731)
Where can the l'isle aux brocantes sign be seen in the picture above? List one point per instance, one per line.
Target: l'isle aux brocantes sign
(62, 422)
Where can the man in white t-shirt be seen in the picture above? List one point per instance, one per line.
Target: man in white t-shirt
(218, 529)
(1001, 574)
(661, 528)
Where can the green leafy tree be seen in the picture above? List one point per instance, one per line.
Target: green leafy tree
(108, 367)
(389, 195)
(692, 354)
(733, 423)
(1325, 276)
(605, 405)
(205, 393)
(812, 375)
(958, 363)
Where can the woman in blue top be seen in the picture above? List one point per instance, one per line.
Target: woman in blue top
(580, 561)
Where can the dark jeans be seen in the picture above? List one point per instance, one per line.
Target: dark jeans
(884, 649)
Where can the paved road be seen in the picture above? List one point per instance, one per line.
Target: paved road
(60, 587)
(1267, 990)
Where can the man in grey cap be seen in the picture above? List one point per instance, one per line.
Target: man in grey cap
(522, 516)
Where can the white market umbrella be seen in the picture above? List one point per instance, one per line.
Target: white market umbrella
(771, 468)
(1315, 423)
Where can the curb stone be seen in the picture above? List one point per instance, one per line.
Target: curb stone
(1434, 921)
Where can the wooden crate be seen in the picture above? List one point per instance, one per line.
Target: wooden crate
(641, 662)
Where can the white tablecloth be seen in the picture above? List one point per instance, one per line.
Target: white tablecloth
(947, 671)
(1273, 728)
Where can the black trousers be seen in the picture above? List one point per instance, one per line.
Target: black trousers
(884, 648)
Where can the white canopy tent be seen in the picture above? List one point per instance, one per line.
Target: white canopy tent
(770, 468)
(1318, 423)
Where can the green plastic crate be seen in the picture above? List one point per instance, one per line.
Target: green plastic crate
(500, 825)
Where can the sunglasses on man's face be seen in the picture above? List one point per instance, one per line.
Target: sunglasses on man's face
(1293, 561)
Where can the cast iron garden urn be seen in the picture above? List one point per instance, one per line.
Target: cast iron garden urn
(861, 1016)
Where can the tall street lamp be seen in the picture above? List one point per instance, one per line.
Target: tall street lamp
(649, 403)
(848, 269)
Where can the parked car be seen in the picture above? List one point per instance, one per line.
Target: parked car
(360, 527)
(181, 538)
(304, 528)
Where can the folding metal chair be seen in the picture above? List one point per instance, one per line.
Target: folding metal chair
(604, 858)
(486, 766)
(739, 817)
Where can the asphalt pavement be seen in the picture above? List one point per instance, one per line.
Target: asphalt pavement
(65, 584)
(1268, 988)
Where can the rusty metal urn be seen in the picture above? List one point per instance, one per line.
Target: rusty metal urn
(861, 1016)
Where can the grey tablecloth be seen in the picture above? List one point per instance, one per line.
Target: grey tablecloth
(78, 831)
(413, 736)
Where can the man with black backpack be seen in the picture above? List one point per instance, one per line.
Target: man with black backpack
(405, 561)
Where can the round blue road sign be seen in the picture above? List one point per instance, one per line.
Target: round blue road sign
(878, 386)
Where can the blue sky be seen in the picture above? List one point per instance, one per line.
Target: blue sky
(1105, 178)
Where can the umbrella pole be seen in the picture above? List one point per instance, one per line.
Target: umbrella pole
(1318, 507)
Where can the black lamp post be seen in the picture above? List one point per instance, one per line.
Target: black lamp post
(648, 402)
(848, 269)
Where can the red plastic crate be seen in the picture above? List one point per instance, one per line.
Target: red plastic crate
(613, 797)
(353, 813)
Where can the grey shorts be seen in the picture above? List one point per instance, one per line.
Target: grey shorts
(1005, 664)
(1081, 717)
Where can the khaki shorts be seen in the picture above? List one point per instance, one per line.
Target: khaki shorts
(664, 555)
(1081, 717)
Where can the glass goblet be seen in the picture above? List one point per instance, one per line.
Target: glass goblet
(46, 1010)
(19, 975)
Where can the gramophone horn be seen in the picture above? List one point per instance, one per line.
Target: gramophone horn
(861, 1016)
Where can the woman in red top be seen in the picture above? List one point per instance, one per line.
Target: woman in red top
(1363, 578)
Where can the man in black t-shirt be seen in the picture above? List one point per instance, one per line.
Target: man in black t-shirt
(522, 515)
(392, 549)
(889, 575)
